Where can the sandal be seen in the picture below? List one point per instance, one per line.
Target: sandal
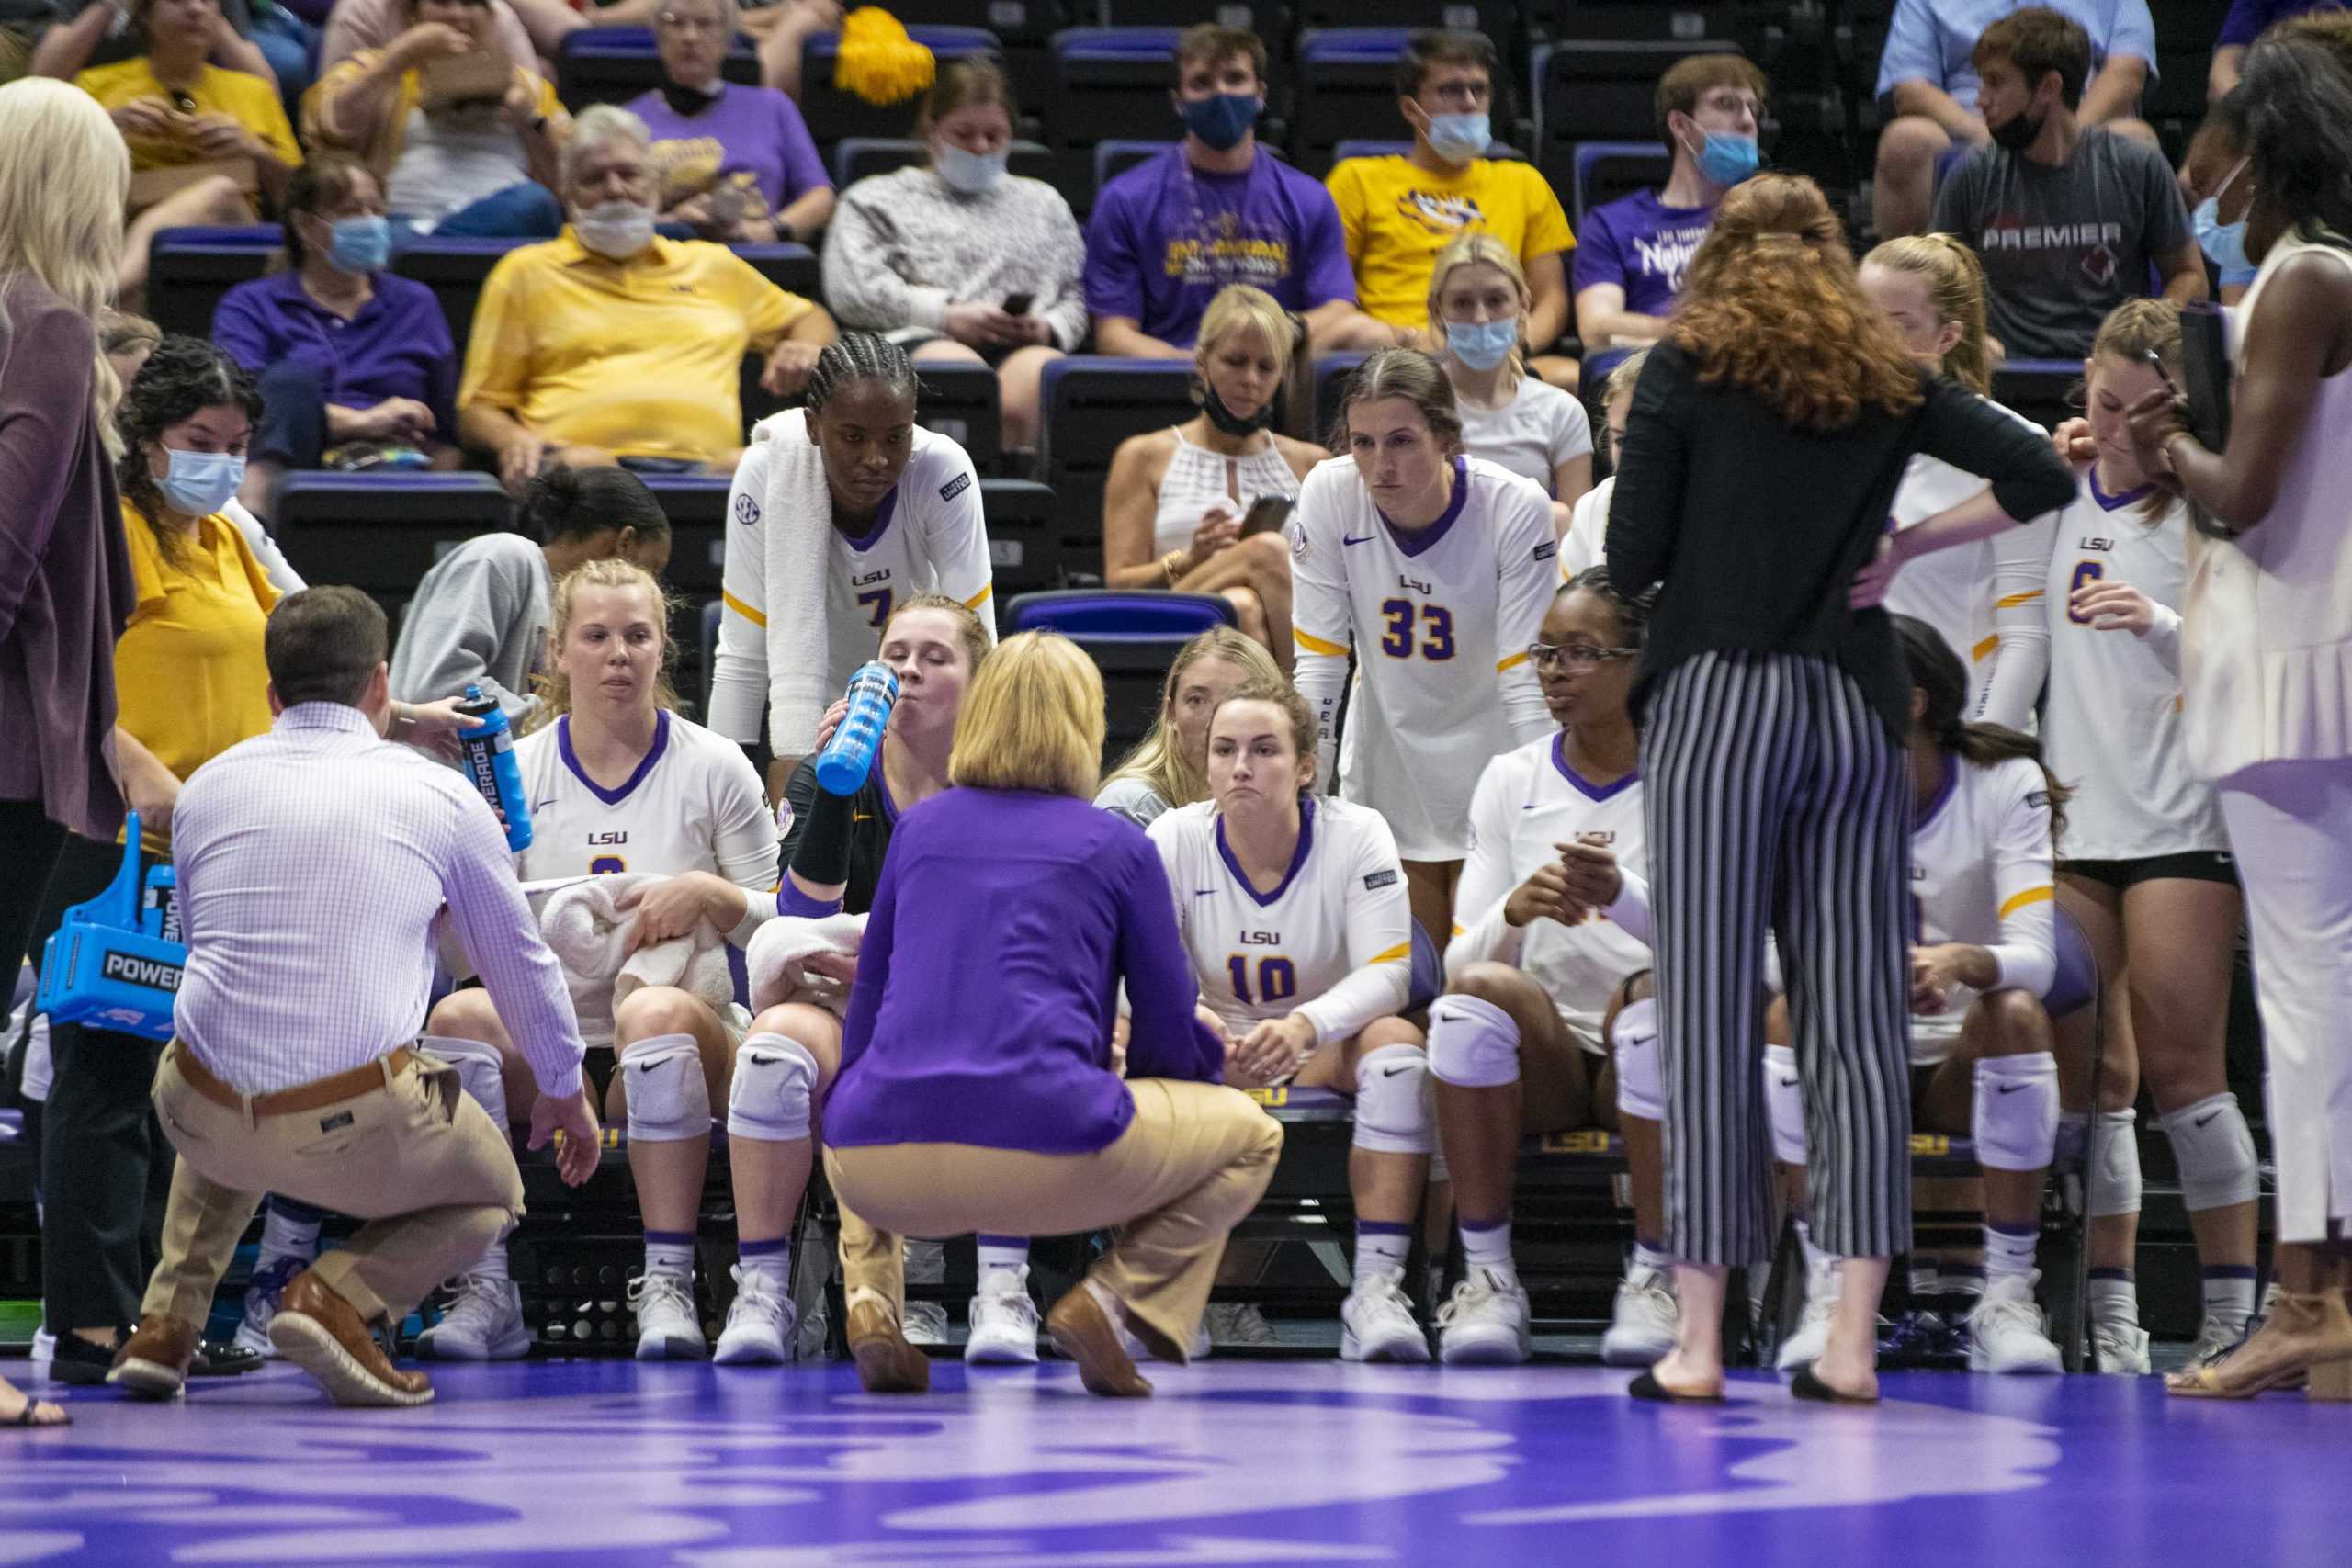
(38, 1413)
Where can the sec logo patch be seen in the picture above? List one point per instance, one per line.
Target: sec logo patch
(747, 511)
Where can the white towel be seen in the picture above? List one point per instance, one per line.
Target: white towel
(798, 511)
(778, 960)
(590, 938)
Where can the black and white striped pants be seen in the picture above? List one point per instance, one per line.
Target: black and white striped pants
(1777, 801)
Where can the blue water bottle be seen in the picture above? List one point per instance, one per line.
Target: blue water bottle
(489, 748)
(848, 757)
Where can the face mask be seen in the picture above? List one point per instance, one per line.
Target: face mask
(360, 245)
(1458, 137)
(2225, 242)
(974, 173)
(2016, 133)
(1226, 420)
(688, 102)
(1482, 345)
(201, 483)
(1727, 160)
(1223, 120)
(617, 229)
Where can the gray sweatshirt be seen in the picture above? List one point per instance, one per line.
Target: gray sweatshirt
(481, 615)
(902, 247)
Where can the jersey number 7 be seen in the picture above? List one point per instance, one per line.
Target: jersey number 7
(1437, 629)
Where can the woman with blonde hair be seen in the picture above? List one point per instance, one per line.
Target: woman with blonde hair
(1478, 305)
(1984, 600)
(1174, 505)
(1761, 452)
(1168, 768)
(1587, 540)
(968, 1103)
(65, 589)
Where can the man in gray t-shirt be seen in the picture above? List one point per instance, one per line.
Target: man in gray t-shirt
(2069, 223)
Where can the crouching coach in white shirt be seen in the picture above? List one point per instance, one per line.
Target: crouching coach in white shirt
(313, 861)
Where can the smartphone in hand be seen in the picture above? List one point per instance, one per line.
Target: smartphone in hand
(1017, 304)
(1266, 514)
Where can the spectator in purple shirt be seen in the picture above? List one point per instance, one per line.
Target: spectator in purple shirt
(737, 163)
(357, 366)
(976, 1090)
(2248, 20)
(1169, 234)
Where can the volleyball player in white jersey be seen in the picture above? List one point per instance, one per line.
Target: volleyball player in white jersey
(1295, 913)
(1984, 599)
(841, 511)
(1984, 955)
(620, 783)
(1436, 567)
(1546, 1022)
(2147, 868)
(1587, 540)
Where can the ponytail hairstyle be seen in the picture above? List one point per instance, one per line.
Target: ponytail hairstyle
(1936, 671)
(609, 572)
(1159, 759)
(2131, 332)
(1956, 285)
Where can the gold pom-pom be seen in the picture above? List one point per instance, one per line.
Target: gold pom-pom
(878, 62)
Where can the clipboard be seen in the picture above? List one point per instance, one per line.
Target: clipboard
(2206, 372)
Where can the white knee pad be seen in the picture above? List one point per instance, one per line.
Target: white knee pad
(2015, 1118)
(1392, 1101)
(667, 1097)
(1784, 1099)
(1641, 1080)
(2215, 1153)
(2114, 1184)
(479, 1069)
(775, 1080)
(1472, 1043)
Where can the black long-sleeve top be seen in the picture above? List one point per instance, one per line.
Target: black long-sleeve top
(1757, 529)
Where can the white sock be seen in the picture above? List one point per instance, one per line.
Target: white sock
(1380, 1248)
(769, 1261)
(1487, 1249)
(2114, 1298)
(1926, 1279)
(671, 1254)
(2009, 1252)
(494, 1264)
(1649, 1256)
(2229, 1295)
(1008, 1253)
(283, 1236)
(1815, 1260)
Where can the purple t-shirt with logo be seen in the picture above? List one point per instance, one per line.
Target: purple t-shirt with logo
(753, 134)
(1642, 247)
(1164, 237)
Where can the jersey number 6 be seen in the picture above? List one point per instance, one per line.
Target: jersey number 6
(1437, 627)
(2085, 571)
(1277, 979)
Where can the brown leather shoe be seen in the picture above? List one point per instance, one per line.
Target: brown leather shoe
(886, 1362)
(1084, 1332)
(153, 1363)
(324, 1335)
(2298, 1333)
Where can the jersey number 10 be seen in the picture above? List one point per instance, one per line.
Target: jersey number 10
(1277, 979)
(1437, 629)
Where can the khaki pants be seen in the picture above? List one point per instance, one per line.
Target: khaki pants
(416, 1157)
(1192, 1163)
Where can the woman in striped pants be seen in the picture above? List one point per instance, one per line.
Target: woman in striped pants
(1774, 703)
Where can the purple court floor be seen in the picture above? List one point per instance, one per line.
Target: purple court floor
(1300, 1461)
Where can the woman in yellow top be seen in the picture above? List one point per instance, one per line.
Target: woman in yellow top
(456, 153)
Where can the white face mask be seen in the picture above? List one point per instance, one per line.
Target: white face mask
(974, 173)
(617, 229)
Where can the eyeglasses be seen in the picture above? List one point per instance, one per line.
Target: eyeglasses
(1576, 655)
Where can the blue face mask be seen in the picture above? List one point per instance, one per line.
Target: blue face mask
(1458, 137)
(360, 245)
(1223, 120)
(1727, 160)
(201, 483)
(2225, 242)
(1482, 345)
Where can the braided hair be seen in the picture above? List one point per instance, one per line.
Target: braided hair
(1632, 609)
(858, 356)
(182, 378)
(1936, 671)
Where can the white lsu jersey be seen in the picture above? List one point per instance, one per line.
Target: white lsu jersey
(1981, 874)
(1439, 620)
(1585, 543)
(1332, 941)
(2113, 724)
(1529, 802)
(695, 804)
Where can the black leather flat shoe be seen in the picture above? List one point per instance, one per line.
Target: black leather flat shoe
(1646, 1386)
(1804, 1385)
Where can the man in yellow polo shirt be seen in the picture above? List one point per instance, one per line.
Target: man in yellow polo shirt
(609, 342)
(1399, 212)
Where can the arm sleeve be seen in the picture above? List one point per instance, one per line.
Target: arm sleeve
(1645, 508)
(2021, 624)
(1911, 54)
(274, 564)
(959, 535)
(44, 397)
(2028, 477)
(453, 637)
(873, 966)
(2027, 954)
(2164, 638)
(801, 794)
(1114, 277)
(1322, 625)
(739, 684)
(1164, 1038)
(1480, 933)
(1530, 576)
(745, 845)
(860, 286)
(1631, 913)
(1379, 921)
(493, 920)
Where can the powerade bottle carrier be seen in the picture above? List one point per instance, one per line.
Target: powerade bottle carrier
(112, 964)
(488, 746)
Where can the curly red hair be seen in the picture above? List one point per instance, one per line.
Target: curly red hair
(1770, 304)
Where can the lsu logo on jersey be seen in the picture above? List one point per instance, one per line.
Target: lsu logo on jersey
(2092, 542)
(1261, 938)
(608, 838)
(1440, 214)
(1599, 838)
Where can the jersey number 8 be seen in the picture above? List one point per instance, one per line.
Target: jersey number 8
(1437, 627)
(1277, 979)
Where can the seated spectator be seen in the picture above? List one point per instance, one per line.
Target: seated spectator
(1173, 507)
(355, 364)
(1210, 212)
(1399, 212)
(356, 25)
(480, 616)
(1630, 258)
(930, 256)
(1928, 91)
(1168, 767)
(64, 37)
(1478, 304)
(448, 164)
(2068, 219)
(609, 342)
(737, 163)
(2248, 20)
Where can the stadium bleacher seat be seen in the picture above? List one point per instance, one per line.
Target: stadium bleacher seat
(189, 269)
(959, 402)
(1346, 86)
(1113, 158)
(861, 157)
(1024, 538)
(2041, 390)
(380, 532)
(1091, 404)
(834, 114)
(1132, 637)
(1602, 90)
(1022, 27)
(612, 66)
(695, 505)
(1603, 171)
(2175, 102)
(1108, 82)
(1331, 373)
